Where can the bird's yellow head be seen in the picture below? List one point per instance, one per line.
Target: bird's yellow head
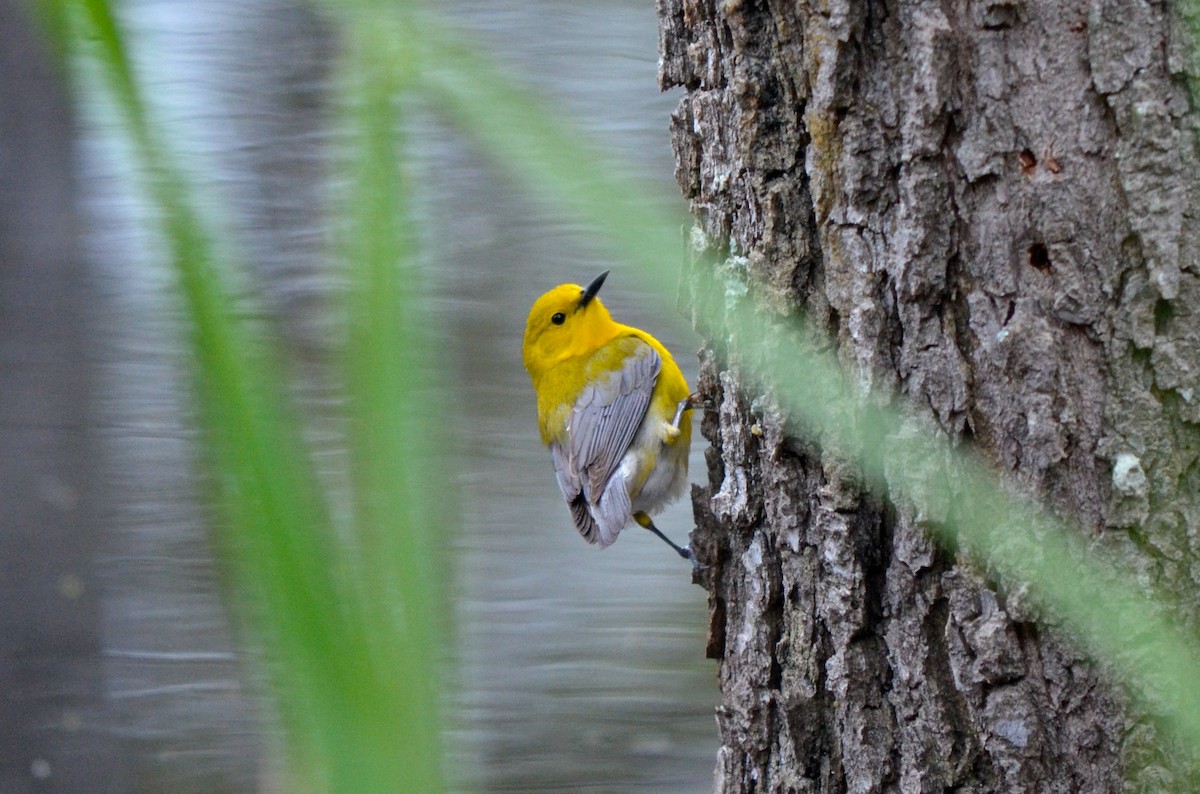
(567, 321)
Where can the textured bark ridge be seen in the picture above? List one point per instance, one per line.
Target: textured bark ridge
(991, 205)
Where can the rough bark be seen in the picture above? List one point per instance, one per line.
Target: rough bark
(990, 205)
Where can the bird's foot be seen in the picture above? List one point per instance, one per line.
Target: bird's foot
(689, 555)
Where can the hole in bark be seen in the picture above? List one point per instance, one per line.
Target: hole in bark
(1012, 309)
(1039, 256)
(775, 682)
(835, 322)
(1028, 161)
(999, 15)
(1162, 315)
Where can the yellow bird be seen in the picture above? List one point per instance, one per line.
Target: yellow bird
(613, 408)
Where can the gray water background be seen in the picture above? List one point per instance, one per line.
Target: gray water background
(571, 669)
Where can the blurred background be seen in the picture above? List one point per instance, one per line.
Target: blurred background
(122, 668)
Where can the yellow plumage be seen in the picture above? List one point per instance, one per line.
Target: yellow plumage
(612, 407)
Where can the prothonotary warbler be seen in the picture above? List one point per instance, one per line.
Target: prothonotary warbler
(614, 409)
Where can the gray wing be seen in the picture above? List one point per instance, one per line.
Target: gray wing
(602, 426)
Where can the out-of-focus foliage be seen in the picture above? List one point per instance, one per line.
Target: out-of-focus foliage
(349, 622)
(1097, 598)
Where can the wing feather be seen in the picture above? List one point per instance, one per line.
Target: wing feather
(604, 421)
(603, 426)
(569, 484)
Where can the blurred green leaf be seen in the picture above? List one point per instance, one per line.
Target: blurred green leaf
(351, 626)
(528, 139)
(1098, 597)
(397, 447)
(347, 626)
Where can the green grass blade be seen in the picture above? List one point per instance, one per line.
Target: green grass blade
(964, 506)
(1103, 603)
(523, 134)
(397, 454)
(337, 642)
(322, 634)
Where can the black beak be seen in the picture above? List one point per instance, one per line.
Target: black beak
(590, 291)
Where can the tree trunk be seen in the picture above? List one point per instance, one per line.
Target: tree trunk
(989, 204)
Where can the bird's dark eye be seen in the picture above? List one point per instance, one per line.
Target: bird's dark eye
(559, 318)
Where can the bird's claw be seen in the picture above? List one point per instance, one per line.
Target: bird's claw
(689, 555)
